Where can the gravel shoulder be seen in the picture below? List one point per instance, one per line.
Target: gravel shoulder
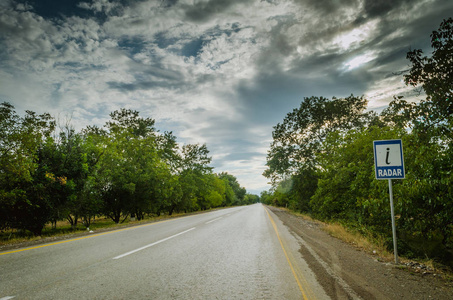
(346, 272)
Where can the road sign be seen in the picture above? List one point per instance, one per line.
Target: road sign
(388, 159)
(389, 164)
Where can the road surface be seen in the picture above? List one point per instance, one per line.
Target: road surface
(235, 253)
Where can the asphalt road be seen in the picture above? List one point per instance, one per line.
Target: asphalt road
(235, 253)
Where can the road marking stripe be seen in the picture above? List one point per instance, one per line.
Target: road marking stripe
(7, 297)
(90, 236)
(208, 222)
(286, 255)
(150, 245)
(76, 239)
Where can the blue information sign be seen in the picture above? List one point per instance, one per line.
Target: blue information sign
(388, 159)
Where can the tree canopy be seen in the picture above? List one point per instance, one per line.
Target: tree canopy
(127, 168)
(321, 158)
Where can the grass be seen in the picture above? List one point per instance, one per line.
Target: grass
(375, 246)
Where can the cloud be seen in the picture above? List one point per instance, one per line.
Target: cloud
(213, 71)
(98, 6)
(204, 10)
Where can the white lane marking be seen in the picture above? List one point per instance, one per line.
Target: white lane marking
(7, 297)
(150, 245)
(208, 222)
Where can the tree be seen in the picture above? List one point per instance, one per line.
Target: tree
(251, 199)
(297, 141)
(129, 165)
(347, 189)
(239, 192)
(304, 185)
(195, 158)
(426, 214)
(435, 73)
(20, 140)
(193, 171)
(215, 193)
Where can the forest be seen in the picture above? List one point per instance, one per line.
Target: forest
(127, 168)
(321, 159)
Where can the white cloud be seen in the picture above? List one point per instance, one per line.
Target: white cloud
(355, 37)
(359, 60)
(99, 6)
(212, 75)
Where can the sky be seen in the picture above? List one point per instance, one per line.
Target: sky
(220, 72)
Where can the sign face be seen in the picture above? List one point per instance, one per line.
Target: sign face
(388, 159)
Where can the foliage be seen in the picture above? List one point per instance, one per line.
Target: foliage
(347, 189)
(325, 167)
(435, 73)
(127, 168)
(298, 139)
(235, 195)
(22, 204)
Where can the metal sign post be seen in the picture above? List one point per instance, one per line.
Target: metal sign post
(389, 164)
(392, 213)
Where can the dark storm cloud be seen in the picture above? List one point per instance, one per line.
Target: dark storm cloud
(327, 6)
(56, 9)
(415, 34)
(214, 71)
(203, 11)
(168, 3)
(138, 86)
(271, 97)
(335, 16)
(150, 77)
(378, 8)
(325, 72)
(372, 8)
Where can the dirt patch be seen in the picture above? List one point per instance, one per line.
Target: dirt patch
(346, 272)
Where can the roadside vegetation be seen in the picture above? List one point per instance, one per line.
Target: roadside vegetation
(321, 159)
(125, 171)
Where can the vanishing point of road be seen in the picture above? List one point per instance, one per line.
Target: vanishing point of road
(235, 253)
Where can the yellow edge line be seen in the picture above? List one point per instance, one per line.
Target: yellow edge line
(287, 258)
(86, 237)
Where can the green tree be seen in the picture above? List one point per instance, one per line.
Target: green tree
(266, 197)
(239, 192)
(20, 140)
(296, 141)
(70, 157)
(251, 199)
(193, 170)
(434, 73)
(426, 212)
(347, 188)
(215, 193)
(129, 165)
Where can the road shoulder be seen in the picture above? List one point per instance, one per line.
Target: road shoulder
(346, 272)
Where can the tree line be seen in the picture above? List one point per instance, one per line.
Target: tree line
(126, 168)
(321, 159)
